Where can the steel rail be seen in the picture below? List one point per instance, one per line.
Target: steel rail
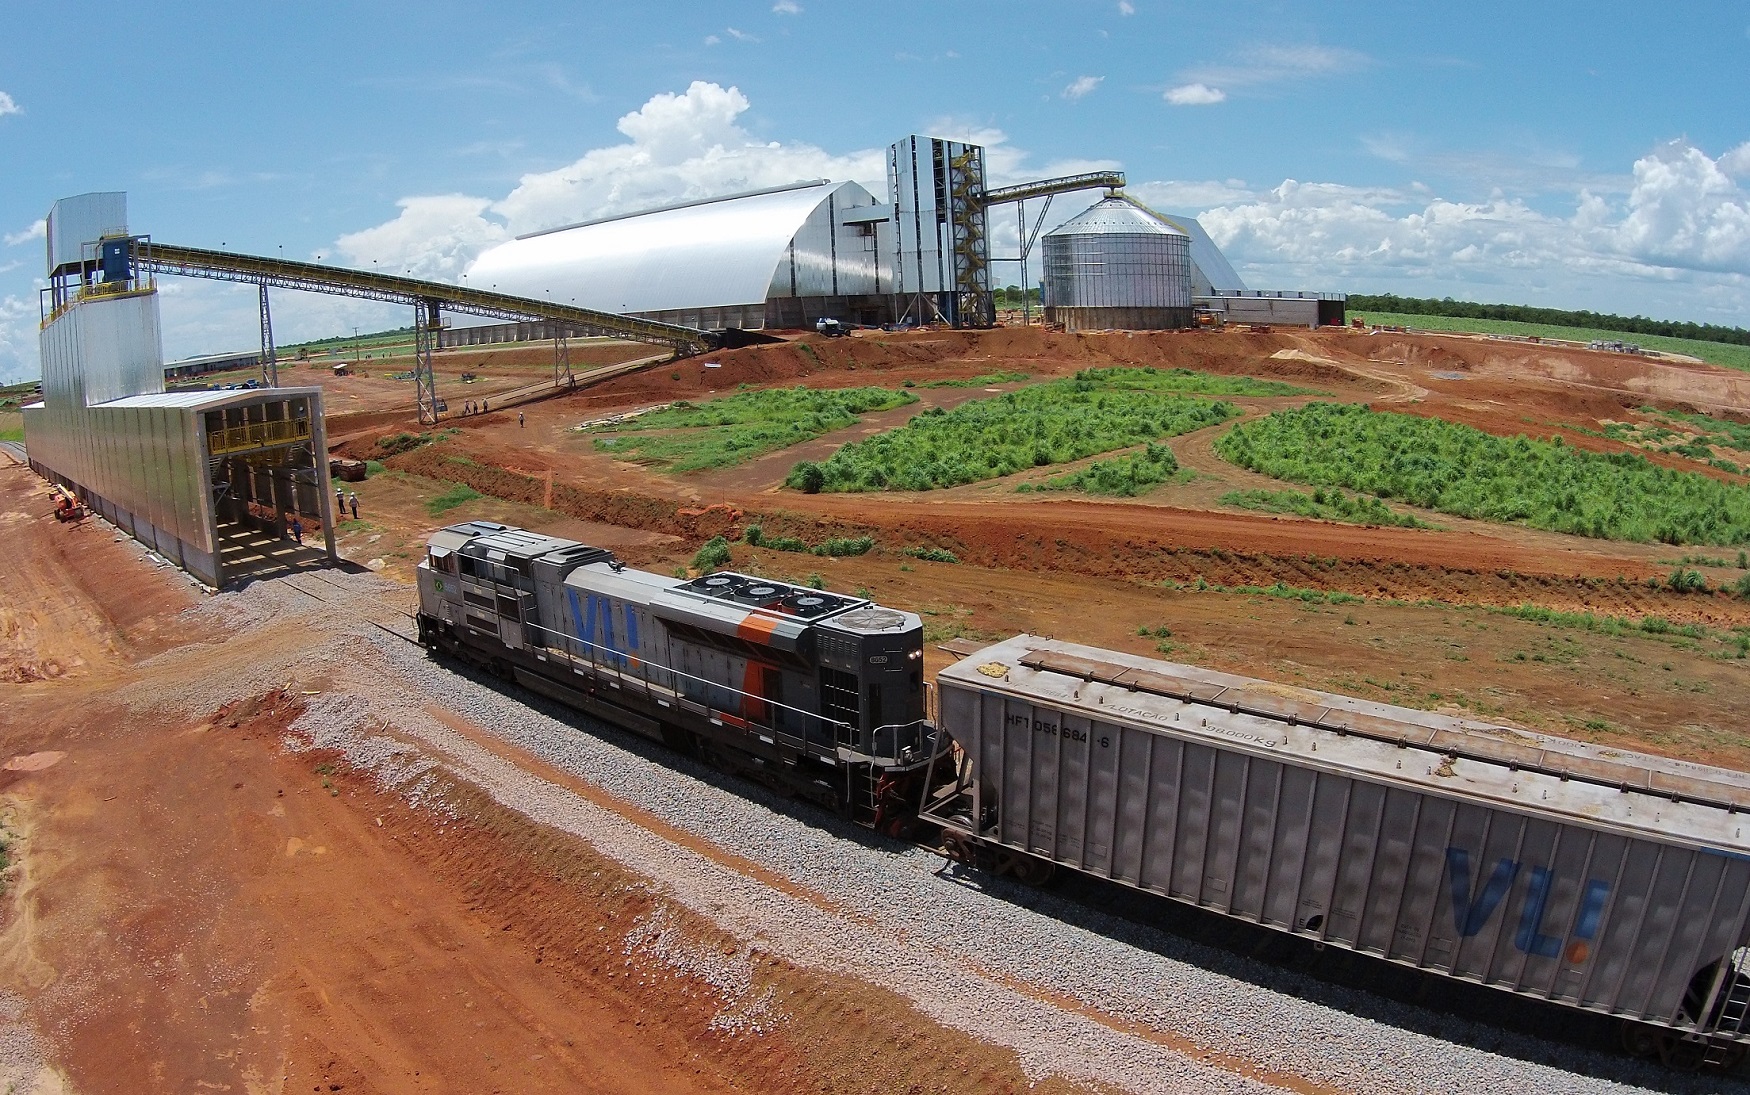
(164, 258)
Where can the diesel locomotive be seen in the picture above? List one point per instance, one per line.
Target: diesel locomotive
(816, 693)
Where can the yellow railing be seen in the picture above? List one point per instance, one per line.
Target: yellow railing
(258, 435)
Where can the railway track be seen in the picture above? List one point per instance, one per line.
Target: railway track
(334, 593)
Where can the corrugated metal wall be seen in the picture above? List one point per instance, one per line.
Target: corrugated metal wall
(1590, 918)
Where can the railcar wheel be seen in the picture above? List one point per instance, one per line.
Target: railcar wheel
(1033, 871)
(1638, 1039)
(958, 848)
(1680, 1054)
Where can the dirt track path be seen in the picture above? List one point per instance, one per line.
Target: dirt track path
(195, 906)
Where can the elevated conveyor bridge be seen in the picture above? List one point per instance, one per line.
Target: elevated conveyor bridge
(1020, 194)
(428, 298)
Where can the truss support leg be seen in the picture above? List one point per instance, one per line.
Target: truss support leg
(427, 326)
(270, 369)
(562, 377)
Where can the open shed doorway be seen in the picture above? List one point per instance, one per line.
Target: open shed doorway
(269, 484)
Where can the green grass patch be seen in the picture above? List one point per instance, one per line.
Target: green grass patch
(985, 381)
(736, 428)
(1121, 477)
(1184, 382)
(1280, 590)
(932, 554)
(836, 547)
(12, 433)
(1456, 469)
(450, 499)
(1716, 353)
(1328, 505)
(1058, 422)
(397, 443)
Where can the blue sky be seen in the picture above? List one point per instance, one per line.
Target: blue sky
(1576, 155)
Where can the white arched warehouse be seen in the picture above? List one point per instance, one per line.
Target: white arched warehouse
(782, 257)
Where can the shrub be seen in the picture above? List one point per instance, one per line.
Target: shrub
(722, 432)
(712, 556)
(1328, 505)
(1123, 477)
(1042, 424)
(933, 555)
(1461, 470)
(853, 545)
(397, 443)
(1685, 580)
(808, 478)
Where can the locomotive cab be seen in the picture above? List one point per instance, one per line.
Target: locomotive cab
(872, 679)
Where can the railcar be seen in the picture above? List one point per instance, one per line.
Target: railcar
(1603, 880)
(817, 693)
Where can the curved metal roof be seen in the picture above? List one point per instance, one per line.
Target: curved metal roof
(1216, 272)
(722, 252)
(1115, 216)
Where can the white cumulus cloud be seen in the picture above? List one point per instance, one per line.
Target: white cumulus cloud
(1081, 86)
(37, 230)
(434, 238)
(18, 343)
(1194, 95)
(1125, 7)
(787, 7)
(9, 105)
(1676, 244)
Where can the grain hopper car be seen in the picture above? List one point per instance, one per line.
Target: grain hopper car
(1602, 880)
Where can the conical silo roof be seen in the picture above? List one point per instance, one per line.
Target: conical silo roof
(1115, 216)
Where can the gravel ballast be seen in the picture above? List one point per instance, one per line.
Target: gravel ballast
(1071, 990)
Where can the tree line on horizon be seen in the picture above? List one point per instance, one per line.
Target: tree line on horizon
(1556, 317)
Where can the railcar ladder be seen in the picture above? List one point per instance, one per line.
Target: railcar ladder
(1733, 1010)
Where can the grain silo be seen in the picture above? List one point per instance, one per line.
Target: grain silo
(1117, 265)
